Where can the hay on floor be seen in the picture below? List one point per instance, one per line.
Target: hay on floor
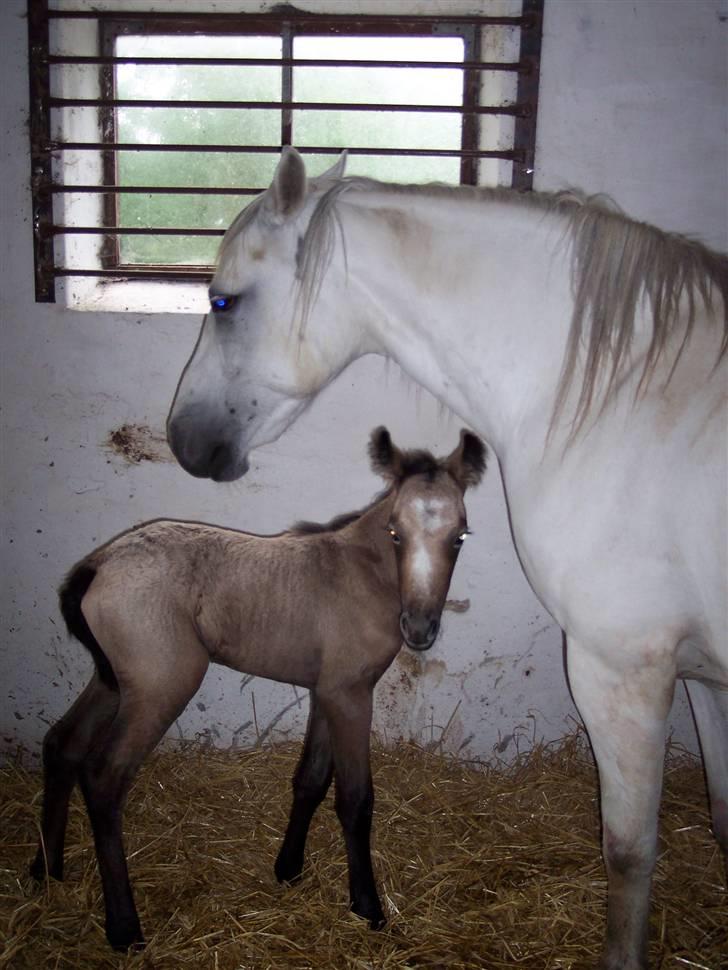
(488, 867)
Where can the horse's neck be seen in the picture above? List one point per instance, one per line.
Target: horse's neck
(448, 282)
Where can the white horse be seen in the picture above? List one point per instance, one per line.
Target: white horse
(590, 351)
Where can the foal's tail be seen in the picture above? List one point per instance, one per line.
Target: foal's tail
(70, 594)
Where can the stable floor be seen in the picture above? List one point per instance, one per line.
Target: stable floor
(478, 867)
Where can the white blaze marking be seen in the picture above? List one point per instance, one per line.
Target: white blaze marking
(422, 565)
(428, 513)
(429, 520)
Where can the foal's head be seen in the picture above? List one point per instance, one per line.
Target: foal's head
(428, 524)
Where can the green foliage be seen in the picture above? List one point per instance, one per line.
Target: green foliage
(262, 127)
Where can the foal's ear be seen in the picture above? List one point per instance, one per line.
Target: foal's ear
(288, 188)
(385, 457)
(467, 463)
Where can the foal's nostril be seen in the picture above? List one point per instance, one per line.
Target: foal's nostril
(418, 631)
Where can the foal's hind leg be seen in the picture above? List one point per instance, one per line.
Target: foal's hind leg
(710, 710)
(349, 715)
(64, 748)
(310, 784)
(625, 713)
(151, 699)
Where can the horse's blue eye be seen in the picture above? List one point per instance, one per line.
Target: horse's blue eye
(219, 303)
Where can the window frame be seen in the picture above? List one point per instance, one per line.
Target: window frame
(287, 23)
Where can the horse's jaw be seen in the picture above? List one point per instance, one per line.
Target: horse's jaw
(207, 447)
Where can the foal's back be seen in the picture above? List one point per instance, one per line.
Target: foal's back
(284, 607)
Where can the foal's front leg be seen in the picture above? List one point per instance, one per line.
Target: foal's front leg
(349, 715)
(310, 784)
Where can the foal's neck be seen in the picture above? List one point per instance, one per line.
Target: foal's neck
(369, 530)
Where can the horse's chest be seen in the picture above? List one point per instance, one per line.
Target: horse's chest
(597, 548)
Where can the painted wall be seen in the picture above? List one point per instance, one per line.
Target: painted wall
(633, 104)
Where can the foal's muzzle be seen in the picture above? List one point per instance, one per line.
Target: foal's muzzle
(419, 630)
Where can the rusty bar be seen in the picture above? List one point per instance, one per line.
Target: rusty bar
(70, 188)
(470, 127)
(162, 273)
(40, 156)
(287, 84)
(58, 146)
(298, 17)
(109, 254)
(131, 231)
(287, 105)
(524, 138)
(509, 66)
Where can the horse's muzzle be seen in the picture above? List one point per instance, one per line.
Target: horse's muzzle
(205, 456)
(418, 630)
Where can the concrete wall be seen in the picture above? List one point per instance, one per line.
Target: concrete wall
(633, 104)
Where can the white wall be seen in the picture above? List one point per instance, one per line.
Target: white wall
(633, 104)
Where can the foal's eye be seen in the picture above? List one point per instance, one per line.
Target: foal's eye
(395, 536)
(461, 538)
(220, 304)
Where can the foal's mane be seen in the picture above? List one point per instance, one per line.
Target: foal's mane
(615, 262)
(415, 462)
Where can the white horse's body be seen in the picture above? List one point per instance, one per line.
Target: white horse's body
(620, 516)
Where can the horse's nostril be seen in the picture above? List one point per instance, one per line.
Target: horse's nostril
(219, 460)
(432, 629)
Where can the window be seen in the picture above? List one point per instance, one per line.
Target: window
(151, 129)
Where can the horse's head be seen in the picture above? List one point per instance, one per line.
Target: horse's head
(428, 524)
(251, 374)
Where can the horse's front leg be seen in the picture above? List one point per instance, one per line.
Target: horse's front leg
(310, 784)
(349, 716)
(625, 712)
(710, 710)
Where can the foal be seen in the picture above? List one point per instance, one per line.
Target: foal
(157, 604)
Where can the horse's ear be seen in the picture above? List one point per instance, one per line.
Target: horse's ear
(332, 174)
(385, 457)
(288, 188)
(467, 463)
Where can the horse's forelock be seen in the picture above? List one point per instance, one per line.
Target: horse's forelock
(230, 253)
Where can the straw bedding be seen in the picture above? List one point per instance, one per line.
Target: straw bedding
(477, 866)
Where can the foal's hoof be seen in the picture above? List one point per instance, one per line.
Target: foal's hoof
(372, 913)
(38, 871)
(288, 872)
(125, 936)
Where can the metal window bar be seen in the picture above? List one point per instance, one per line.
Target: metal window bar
(286, 23)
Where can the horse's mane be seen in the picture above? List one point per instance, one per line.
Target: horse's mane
(616, 261)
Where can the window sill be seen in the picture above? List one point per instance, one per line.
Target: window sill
(132, 296)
